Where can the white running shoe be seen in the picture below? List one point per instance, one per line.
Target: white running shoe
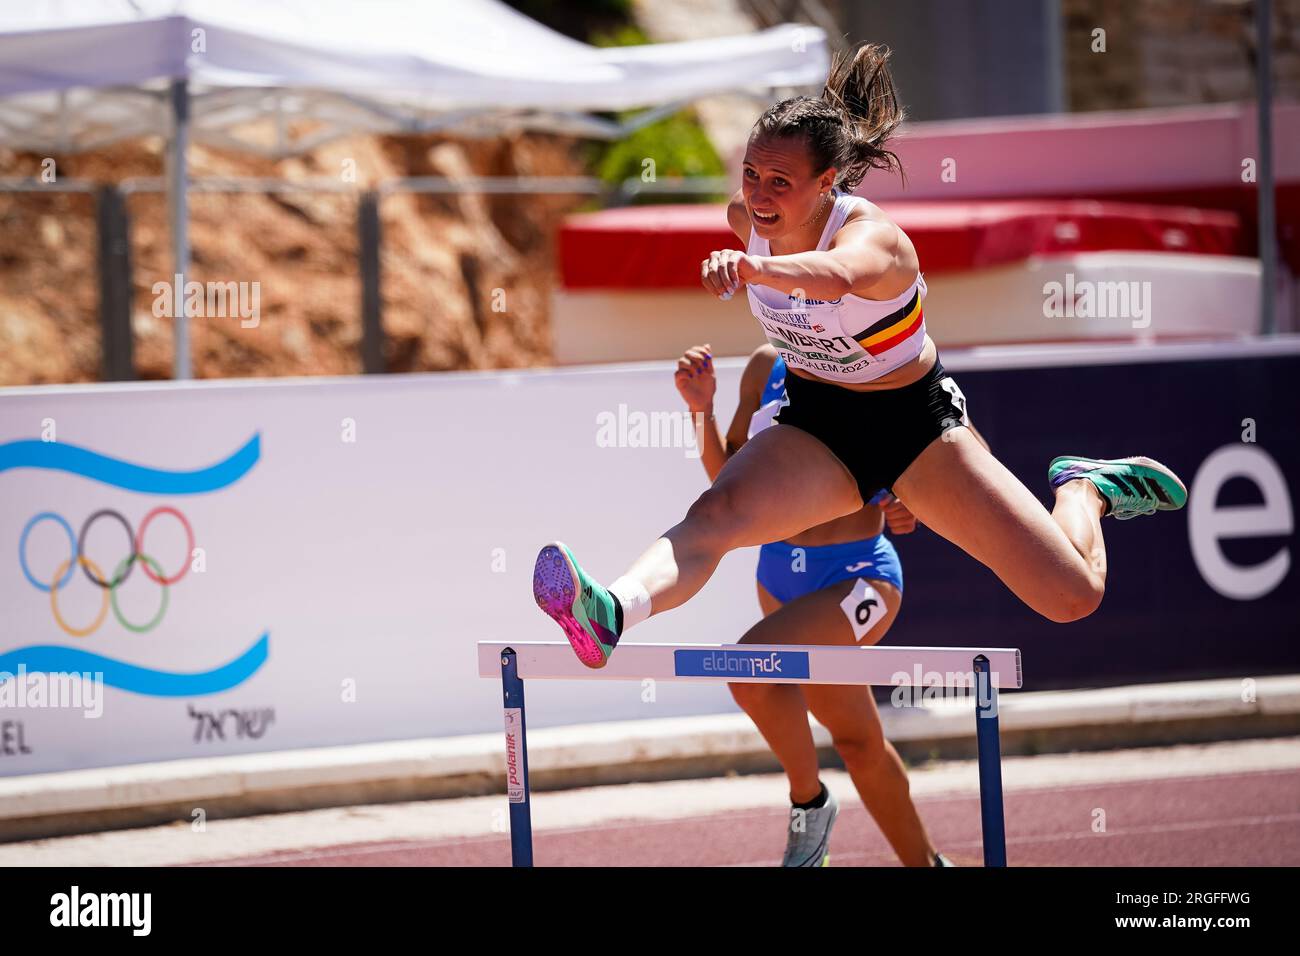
(808, 843)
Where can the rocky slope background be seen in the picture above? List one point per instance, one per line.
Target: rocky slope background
(465, 279)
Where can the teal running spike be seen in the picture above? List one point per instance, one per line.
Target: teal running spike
(1130, 486)
(582, 608)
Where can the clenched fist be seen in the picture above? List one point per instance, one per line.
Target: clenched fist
(897, 517)
(726, 270)
(695, 380)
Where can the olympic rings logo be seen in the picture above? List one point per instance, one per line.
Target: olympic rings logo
(78, 557)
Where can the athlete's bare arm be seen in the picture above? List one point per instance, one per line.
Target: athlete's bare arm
(862, 254)
(868, 256)
(697, 383)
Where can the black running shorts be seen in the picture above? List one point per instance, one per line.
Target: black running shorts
(876, 434)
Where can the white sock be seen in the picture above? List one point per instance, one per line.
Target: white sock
(634, 598)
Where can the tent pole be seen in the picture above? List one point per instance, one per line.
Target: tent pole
(1264, 103)
(178, 210)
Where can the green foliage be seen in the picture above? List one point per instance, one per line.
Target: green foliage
(628, 34)
(676, 145)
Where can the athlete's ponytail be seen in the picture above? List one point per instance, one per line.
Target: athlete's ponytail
(848, 125)
(861, 87)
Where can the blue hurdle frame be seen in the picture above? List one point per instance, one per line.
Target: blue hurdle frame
(520, 796)
(988, 746)
(987, 740)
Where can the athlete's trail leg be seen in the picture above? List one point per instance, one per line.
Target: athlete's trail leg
(1054, 563)
(1078, 510)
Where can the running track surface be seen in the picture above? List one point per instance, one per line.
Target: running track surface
(1245, 819)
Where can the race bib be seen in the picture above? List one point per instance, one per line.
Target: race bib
(864, 607)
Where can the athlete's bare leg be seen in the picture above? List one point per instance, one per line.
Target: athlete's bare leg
(849, 713)
(1055, 563)
(782, 482)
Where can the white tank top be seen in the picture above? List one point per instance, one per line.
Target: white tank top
(849, 339)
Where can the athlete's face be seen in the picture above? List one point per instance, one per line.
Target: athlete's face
(782, 191)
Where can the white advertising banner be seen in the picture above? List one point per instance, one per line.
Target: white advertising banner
(318, 558)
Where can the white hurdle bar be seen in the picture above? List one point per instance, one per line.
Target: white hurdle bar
(984, 670)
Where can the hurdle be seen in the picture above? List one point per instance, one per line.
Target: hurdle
(986, 670)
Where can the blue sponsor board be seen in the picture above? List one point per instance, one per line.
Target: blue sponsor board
(1208, 591)
(783, 665)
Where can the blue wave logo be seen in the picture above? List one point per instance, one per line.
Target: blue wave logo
(56, 659)
(59, 456)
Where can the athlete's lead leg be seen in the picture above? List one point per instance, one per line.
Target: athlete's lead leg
(783, 481)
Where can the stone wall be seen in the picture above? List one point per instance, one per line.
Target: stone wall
(1173, 52)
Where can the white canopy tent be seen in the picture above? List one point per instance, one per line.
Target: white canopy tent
(77, 74)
